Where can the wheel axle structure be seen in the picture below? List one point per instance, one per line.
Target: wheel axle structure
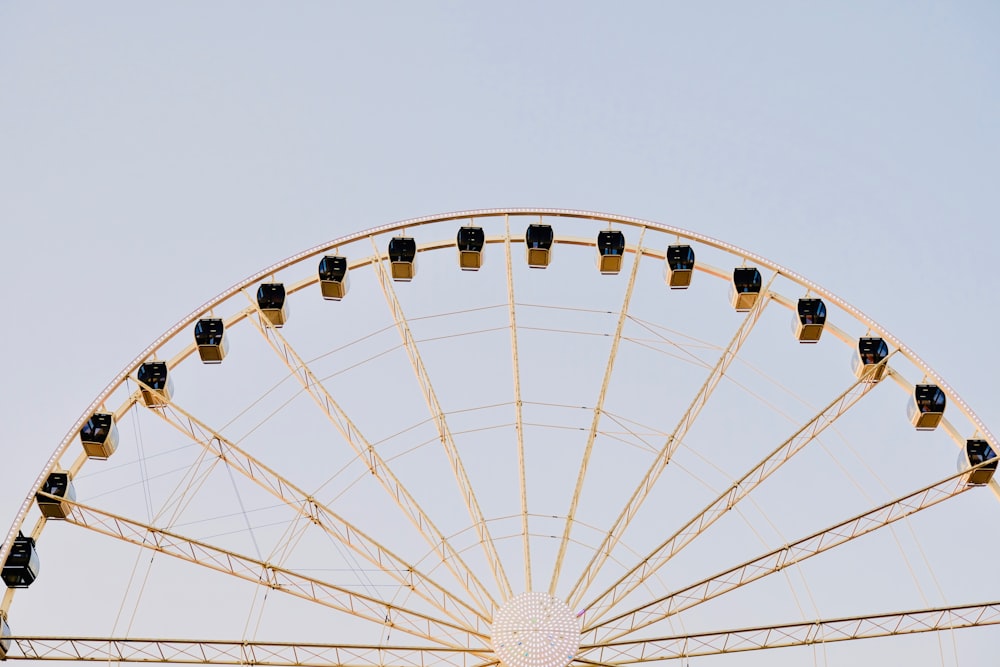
(569, 438)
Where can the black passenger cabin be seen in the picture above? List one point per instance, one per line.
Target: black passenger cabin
(868, 357)
(610, 252)
(57, 484)
(403, 258)
(470, 244)
(809, 320)
(210, 336)
(976, 452)
(21, 568)
(746, 288)
(4, 637)
(680, 266)
(155, 384)
(333, 279)
(538, 241)
(273, 304)
(926, 407)
(99, 435)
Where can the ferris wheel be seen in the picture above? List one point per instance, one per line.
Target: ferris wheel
(559, 438)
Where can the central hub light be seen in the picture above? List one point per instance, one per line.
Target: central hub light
(535, 630)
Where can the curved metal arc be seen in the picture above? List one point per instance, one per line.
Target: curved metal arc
(266, 574)
(330, 522)
(902, 382)
(368, 455)
(945, 425)
(645, 486)
(794, 634)
(459, 215)
(204, 652)
(447, 441)
(778, 559)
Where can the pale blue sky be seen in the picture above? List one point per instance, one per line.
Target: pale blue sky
(153, 154)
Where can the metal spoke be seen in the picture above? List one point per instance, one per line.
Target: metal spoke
(518, 410)
(778, 559)
(726, 501)
(451, 450)
(195, 652)
(379, 468)
(819, 631)
(663, 457)
(322, 516)
(272, 576)
(595, 422)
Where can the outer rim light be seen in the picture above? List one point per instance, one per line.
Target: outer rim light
(535, 630)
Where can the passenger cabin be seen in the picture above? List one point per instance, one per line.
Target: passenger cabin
(333, 279)
(22, 565)
(610, 252)
(926, 407)
(273, 304)
(403, 258)
(470, 244)
(155, 385)
(680, 266)
(538, 241)
(810, 316)
(57, 484)
(210, 336)
(4, 637)
(746, 288)
(976, 452)
(868, 357)
(99, 435)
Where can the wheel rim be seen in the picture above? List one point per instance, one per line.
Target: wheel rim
(456, 615)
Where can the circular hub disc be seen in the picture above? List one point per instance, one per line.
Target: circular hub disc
(535, 630)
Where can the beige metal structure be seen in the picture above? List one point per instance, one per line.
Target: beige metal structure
(373, 482)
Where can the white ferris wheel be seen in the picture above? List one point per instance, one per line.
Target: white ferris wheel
(559, 438)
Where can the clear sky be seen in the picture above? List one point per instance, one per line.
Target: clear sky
(151, 154)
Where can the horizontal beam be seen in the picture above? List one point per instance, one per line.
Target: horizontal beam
(794, 634)
(194, 652)
(269, 575)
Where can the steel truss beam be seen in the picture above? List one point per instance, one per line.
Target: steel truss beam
(194, 652)
(518, 410)
(447, 441)
(819, 631)
(673, 441)
(266, 574)
(777, 560)
(379, 468)
(598, 412)
(322, 516)
(725, 502)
